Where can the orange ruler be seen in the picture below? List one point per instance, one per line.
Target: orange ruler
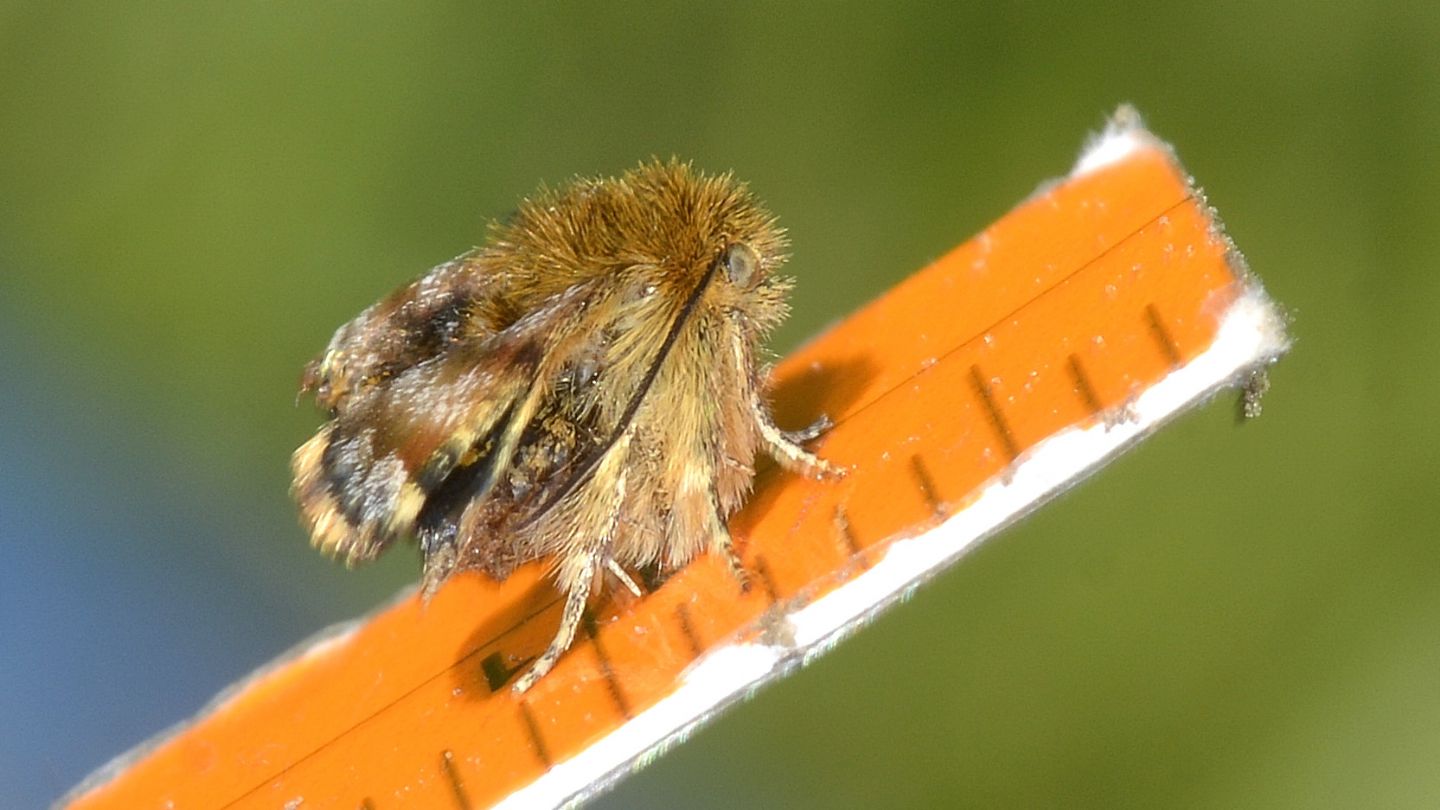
(1008, 370)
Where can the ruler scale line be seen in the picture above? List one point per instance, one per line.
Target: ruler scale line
(457, 786)
(1083, 387)
(1162, 335)
(537, 742)
(612, 681)
(992, 410)
(926, 485)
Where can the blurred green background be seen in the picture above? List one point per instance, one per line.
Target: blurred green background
(193, 196)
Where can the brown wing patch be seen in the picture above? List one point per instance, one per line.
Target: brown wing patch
(458, 301)
(365, 477)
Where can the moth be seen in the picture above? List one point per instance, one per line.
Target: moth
(583, 389)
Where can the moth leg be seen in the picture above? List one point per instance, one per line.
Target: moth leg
(813, 431)
(621, 485)
(721, 541)
(577, 593)
(622, 575)
(785, 447)
(575, 599)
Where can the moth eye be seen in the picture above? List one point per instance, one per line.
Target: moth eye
(741, 263)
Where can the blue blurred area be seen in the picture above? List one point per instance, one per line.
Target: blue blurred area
(193, 196)
(108, 634)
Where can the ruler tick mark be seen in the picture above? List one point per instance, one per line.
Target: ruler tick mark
(611, 681)
(997, 419)
(847, 532)
(682, 614)
(926, 485)
(763, 569)
(1083, 387)
(457, 787)
(537, 743)
(1162, 336)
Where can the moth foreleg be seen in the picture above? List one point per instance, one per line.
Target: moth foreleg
(576, 595)
(576, 585)
(812, 431)
(722, 543)
(785, 447)
(623, 576)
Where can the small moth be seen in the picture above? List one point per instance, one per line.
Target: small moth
(582, 389)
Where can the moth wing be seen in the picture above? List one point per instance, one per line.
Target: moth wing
(365, 476)
(418, 321)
